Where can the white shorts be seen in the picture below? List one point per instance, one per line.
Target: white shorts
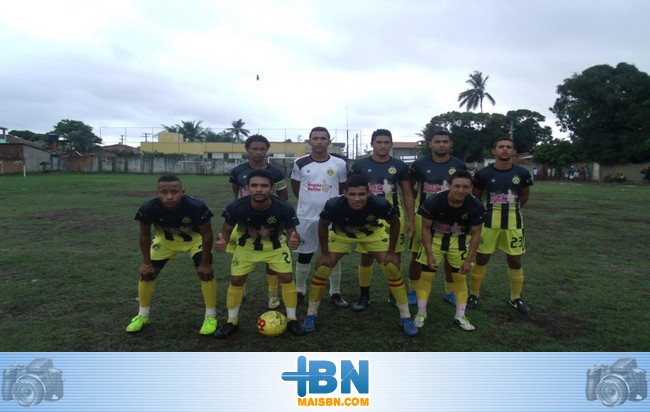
(308, 232)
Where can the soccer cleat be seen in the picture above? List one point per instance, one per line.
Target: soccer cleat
(209, 326)
(301, 297)
(338, 301)
(419, 320)
(521, 306)
(362, 303)
(309, 325)
(391, 300)
(412, 298)
(274, 302)
(408, 327)
(226, 330)
(295, 328)
(137, 324)
(464, 324)
(450, 298)
(472, 302)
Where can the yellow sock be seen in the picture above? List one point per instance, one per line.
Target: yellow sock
(145, 292)
(365, 275)
(273, 284)
(424, 285)
(516, 282)
(289, 294)
(413, 284)
(460, 287)
(395, 282)
(209, 291)
(478, 273)
(449, 287)
(319, 282)
(233, 302)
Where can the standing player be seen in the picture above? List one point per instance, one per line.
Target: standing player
(431, 173)
(504, 188)
(315, 179)
(389, 178)
(182, 224)
(257, 146)
(356, 219)
(448, 219)
(264, 223)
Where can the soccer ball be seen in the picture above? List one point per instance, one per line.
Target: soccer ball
(272, 323)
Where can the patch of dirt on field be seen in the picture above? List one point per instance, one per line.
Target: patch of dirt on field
(558, 323)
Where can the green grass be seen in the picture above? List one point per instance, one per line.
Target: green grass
(69, 259)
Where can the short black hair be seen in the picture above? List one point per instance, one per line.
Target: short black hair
(356, 181)
(260, 173)
(320, 129)
(461, 174)
(381, 132)
(505, 138)
(257, 138)
(169, 178)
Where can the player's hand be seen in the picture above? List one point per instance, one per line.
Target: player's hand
(324, 260)
(205, 272)
(220, 244)
(465, 267)
(391, 257)
(431, 262)
(294, 240)
(147, 269)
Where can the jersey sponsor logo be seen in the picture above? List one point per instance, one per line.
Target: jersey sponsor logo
(243, 192)
(376, 189)
(454, 229)
(392, 170)
(503, 198)
(318, 187)
(330, 171)
(434, 188)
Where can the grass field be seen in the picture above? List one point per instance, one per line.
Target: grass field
(69, 259)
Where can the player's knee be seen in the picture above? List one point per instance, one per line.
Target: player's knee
(482, 259)
(148, 277)
(206, 277)
(305, 258)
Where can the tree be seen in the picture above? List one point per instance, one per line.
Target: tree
(27, 135)
(526, 129)
(557, 153)
(192, 131)
(223, 137)
(238, 130)
(473, 98)
(606, 111)
(79, 134)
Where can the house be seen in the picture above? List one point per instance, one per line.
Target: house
(405, 151)
(18, 155)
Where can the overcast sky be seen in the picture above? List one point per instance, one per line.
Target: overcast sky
(130, 66)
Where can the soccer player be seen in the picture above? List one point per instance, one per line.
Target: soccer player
(431, 173)
(449, 220)
(182, 224)
(257, 146)
(316, 178)
(505, 189)
(264, 223)
(356, 219)
(389, 178)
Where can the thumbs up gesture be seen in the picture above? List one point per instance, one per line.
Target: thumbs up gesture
(294, 240)
(220, 244)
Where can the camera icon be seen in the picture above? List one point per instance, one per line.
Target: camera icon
(613, 385)
(30, 385)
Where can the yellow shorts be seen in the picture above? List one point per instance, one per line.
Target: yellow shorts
(453, 256)
(232, 243)
(511, 241)
(163, 249)
(376, 242)
(399, 248)
(245, 260)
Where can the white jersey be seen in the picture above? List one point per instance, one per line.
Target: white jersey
(319, 182)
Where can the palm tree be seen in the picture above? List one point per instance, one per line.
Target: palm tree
(473, 97)
(191, 131)
(238, 129)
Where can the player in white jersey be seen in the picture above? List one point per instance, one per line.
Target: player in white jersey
(315, 179)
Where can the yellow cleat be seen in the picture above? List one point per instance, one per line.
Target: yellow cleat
(137, 324)
(209, 326)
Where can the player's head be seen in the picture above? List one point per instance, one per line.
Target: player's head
(256, 146)
(260, 185)
(504, 149)
(460, 185)
(440, 143)
(170, 191)
(381, 142)
(357, 191)
(319, 139)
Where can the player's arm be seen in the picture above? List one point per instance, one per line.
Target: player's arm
(144, 240)
(342, 186)
(281, 188)
(205, 267)
(235, 190)
(523, 198)
(223, 237)
(477, 192)
(466, 266)
(283, 194)
(293, 239)
(409, 205)
(393, 233)
(295, 188)
(427, 242)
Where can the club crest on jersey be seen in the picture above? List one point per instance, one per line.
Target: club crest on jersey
(371, 218)
(330, 171)
(464, 217)
(452, 170)
(392, 170)
(187, 220)
(271, 220)
(516, 180)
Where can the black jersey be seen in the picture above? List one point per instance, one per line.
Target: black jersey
(357, 223)
(449, 221)
(239, 176)
(501, 191)
(385, 178)
(178, 225)
(432, 177)
(260, 229)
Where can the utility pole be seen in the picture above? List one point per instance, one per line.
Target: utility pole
(347, 134)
